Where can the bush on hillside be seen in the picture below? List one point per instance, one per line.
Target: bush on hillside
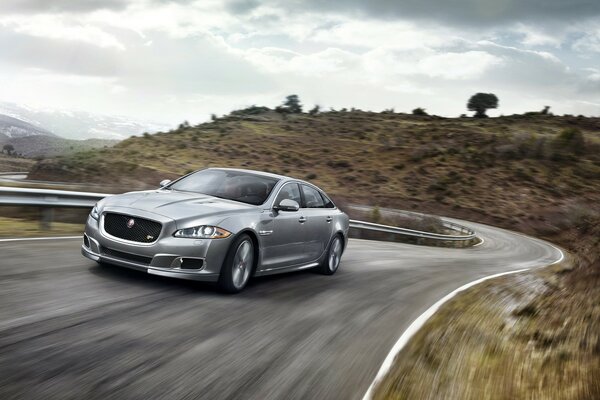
(252, 110)
(568, 144)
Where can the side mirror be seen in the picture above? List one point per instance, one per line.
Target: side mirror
(287, 205)
(164, 182)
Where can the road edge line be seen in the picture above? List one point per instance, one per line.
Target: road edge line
(41, 238)
(418, 323)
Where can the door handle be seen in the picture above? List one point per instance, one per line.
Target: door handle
(329, 218)
(302, 220)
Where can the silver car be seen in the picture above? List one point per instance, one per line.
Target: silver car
(221, 225)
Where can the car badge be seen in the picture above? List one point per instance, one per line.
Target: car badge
(149, 237)
(130, 223)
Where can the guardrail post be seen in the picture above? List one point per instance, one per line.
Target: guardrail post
(47, 218)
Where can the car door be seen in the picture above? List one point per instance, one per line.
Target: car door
(285, 245)
(318, 222)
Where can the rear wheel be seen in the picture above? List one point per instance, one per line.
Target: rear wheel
(238, 264)
(334, 254)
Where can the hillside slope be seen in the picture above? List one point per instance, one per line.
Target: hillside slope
(15, 128)
(15, 164)
(51, 146)
(518, 171)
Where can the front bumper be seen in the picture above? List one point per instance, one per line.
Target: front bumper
(163, 257)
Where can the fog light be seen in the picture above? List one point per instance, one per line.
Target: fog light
(191, 263)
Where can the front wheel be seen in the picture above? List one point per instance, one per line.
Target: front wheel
(238, 265)
(334, 254)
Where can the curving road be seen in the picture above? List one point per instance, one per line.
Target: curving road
(70, 329)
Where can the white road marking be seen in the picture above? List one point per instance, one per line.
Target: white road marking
(420, 321)
(482, 241)
(42, 238)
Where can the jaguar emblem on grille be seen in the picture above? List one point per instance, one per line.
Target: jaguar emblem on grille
(130, 223)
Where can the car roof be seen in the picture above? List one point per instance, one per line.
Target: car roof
(270, 175)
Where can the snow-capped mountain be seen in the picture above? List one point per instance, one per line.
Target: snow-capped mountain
(80, 125)
(13, 128)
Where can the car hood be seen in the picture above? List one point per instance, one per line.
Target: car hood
(178, 205)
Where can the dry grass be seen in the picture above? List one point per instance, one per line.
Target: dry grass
(526, 336)
(15, 227)
(15, 164)
(534, 335)
(455, 167)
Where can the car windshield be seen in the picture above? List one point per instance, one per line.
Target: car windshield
(239, 186)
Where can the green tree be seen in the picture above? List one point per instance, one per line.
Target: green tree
(315, 110)
(481, 102)
(419, 111)
(8, 148)
(292, 104)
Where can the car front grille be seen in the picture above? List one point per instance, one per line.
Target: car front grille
(126, 256)
(131, 228)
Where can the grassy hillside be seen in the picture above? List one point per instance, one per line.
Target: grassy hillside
(51, 146)
(15, 164)
(522, 172)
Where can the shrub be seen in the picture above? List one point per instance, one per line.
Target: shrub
(568, 144)
(375, 215)
(419, 111)
(339, 164)
(252, 110)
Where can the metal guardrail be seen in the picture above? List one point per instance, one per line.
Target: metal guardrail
(411, 232)
(10, 196)
(49, 199)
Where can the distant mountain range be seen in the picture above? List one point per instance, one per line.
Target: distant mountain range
(31, 141)
(71, 125)
(42, 146)
(13, 128)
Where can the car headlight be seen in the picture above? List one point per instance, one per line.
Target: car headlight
(95, 213)
(203, 232)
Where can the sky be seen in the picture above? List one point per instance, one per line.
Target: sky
(169, 61)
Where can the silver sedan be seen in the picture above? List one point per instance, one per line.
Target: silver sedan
(221, 225)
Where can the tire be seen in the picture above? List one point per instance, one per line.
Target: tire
(331, 262)
(238, 265)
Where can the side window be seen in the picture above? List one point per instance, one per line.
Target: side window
(289, 191)
(312, 197)
(327, 201)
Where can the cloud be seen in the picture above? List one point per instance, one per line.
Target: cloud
(325, 63)
(397, 34)
(242, 6)
(588, 43)
(172, 60)
(52, 27)
(57, 6)
(58, 55)
(467, 65)
(457, 12)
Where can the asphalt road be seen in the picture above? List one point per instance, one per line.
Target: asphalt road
(70, 329)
